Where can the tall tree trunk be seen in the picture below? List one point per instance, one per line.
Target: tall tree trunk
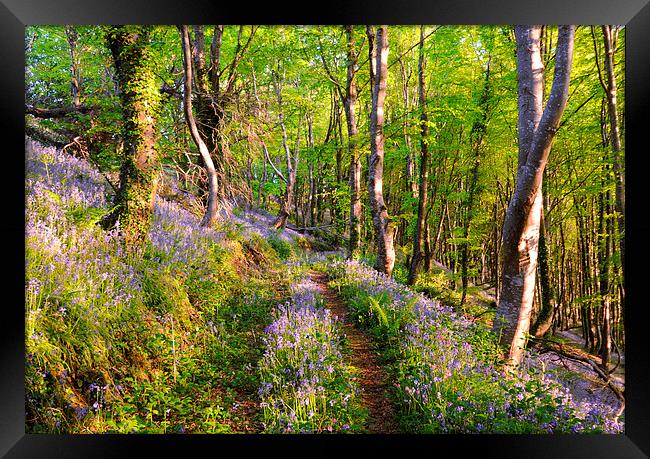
(562, 279)
(372, 58)
(427, 245)
(609, 35)
(381, 221)
(339, 143)
(584, 273)
(545, 317)
(213, 98)
(215, 80)
(292, 164)
(521, 226)
(209, 110)
(423, 192)
(355, 164)
(411, 180)
(604, 256)
(139, 96)
(210, 216)
(312, 183)
(75, 90)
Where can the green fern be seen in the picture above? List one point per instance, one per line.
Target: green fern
(55, 197)
(356, 304)
(378, 311)
(89, 216)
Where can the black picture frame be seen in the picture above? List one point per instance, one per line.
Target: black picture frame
(16, 14)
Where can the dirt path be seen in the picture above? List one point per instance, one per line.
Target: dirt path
(372, 378)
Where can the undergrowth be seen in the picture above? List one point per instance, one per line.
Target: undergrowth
(305, 385)
(447, 370)
(159, 344)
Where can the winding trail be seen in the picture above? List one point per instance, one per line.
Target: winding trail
(372, 378)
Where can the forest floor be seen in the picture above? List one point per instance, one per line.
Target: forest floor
(581, 380)
(361, 353)
(372, 378)
(577, 341)
(219, 377)
(584, 384)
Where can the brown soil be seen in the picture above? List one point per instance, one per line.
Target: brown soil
(372, 378)
(246, 417)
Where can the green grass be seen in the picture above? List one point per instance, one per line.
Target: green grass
(176, 358)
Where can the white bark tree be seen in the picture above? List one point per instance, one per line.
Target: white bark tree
(292, 163)
(536, 131)
(211, 211)
(355, 163)
(381, 221)
(418, 238)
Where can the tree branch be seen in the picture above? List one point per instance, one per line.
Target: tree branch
(560, 350)
(600, 73)
(57, 112)
(268, 158)
(239, 54)
(540, 145)
(336, 82)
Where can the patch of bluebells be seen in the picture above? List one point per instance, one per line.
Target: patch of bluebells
(78, 284)
(305, 385)
(177, 239)
(260, 223)
(73, 272)
(81, 288)
(447, 380)
(589, 408)
(81, 269)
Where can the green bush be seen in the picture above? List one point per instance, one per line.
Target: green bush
(281, 247)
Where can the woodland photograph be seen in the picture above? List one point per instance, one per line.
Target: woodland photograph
(360, 229)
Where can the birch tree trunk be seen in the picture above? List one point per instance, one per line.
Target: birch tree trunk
(292, 165)
(210, 216)
(75, 91)
(214, 84)
(381, 221)
(423, 193)
(536, 130)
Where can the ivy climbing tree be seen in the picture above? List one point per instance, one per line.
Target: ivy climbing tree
(140, 97)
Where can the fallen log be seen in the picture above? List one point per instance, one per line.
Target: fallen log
(309, 228)
(546, 345)
(45, 135)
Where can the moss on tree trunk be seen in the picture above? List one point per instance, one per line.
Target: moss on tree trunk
(139, 97)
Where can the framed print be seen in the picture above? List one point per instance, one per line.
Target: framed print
(407, 236)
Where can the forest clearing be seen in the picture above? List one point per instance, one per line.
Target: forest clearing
(325, 229)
